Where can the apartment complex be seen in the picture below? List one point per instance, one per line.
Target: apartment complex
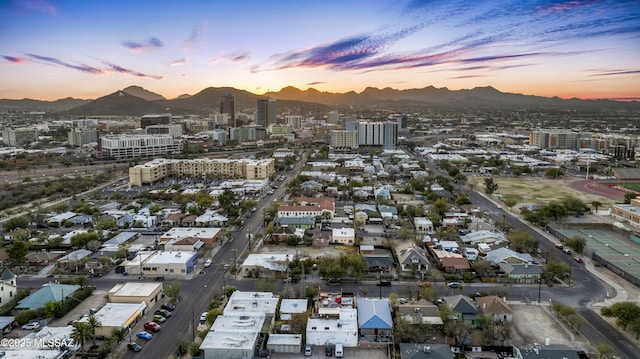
(158, 169)
(82, 136)
(365, 133)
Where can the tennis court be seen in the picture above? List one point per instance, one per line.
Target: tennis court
(611, 246)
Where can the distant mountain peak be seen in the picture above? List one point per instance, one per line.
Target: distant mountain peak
(143, 93)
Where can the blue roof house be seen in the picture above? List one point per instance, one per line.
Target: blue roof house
(50, 292)
(375, 323)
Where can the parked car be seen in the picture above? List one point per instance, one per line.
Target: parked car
(333, 282)
(163, 312)
(453, 284)
(578, 259)
(134, 347)
(144, 335)
(168, 306)
(567, 251)
(152, 326)
(424, 284)
(159, 318)
(308, 351)
(384, 283)
(203, 317)
(31, 325)
(208, 263)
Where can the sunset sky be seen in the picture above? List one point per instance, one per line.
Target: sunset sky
(90, 48)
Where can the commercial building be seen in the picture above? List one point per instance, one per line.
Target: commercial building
(174, 130)
(155, 119)
(554, 139)
(136, 292)
(160, 263)
(342, 330)
(228, 107)
(267, 112)
(158, 169)
(118, 316)
(132, 146)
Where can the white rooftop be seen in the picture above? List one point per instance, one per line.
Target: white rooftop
(239, 322)
(272, 261)
(199, 232)
(118, 314)
(242, 302)
(161, 257)
(137, 289)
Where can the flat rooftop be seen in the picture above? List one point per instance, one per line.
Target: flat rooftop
(118, 314)
(137, 289)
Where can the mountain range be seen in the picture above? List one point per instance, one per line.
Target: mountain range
(136, 101)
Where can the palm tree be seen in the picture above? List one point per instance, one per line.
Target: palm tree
(94, 324)
(81, 333)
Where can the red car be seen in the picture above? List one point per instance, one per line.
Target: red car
(578, 259)
(153, 326)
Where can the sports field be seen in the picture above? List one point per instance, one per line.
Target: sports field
(538, 190)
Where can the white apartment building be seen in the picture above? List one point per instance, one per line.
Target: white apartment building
(131, 146)
(344, 139)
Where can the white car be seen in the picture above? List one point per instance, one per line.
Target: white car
(203, 317)
(31, 326)
(208, 263)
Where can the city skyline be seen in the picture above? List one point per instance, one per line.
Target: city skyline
(586, 49)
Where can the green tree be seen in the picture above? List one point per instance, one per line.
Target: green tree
(555, 270)
(172, 290)
(17, 251)
(228, 202)
(81, 240)
(213, 314)
(14, 223)
(490, 186)
(522, 242)
(596, 205)
(94, 324)
(625, 313)
(578, 243)
(603, 349)
(81, 333)
(629, 196)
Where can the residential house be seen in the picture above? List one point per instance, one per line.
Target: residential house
(343, 236)
(282, 234)
(506, 255)
(8, 286)
(463, 308)
(495, 306)
(484, 236)
(421, 312)
(423, 225)
(49, 292)
(521, 272)
(342, 330)
(265, 265)
(411, 257)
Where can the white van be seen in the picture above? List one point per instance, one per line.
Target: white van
(339, 351)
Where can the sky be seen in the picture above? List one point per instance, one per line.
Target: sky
(87, 49)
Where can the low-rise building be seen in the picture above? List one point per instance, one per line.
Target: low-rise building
(342, 330)
(118, 316)
(136, 292)
(162, 263)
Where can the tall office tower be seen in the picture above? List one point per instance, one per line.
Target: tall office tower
(228, 106)
(390, 136)
(267, 112)
(333, 117)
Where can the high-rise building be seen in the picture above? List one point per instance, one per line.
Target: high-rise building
(228, 106)
(155, 119)
(19, 136)
(79, 137)
(267, 112)
(344, 139)
(390, 137)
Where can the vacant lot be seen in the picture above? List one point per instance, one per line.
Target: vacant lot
(537, 190)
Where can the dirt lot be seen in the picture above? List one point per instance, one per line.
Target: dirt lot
(538, 190)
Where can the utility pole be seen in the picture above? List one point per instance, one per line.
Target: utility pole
(539, 286)
(235, 266)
